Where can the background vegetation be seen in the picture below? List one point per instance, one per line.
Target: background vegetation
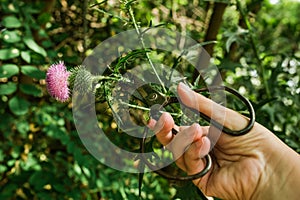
(41, 156)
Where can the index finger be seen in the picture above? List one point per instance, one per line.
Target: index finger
(231, 119)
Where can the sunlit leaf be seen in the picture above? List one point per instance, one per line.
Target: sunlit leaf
(31, 44)
(10, 53)
(3, 168)
(8, 70)
(11, 22)
(11, 36)
(25, 55)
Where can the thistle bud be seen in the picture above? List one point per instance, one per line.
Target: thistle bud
(81, 79)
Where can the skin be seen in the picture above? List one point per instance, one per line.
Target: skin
(253, 166)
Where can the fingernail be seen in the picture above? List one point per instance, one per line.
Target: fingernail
(186, 90)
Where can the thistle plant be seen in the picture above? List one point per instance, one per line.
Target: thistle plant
(120, 77)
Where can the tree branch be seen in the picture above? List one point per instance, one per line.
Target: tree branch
(211, 35)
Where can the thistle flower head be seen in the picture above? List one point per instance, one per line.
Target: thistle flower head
(57, 81)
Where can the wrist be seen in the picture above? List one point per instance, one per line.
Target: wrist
(280, 179)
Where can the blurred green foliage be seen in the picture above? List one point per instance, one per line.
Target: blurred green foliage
(41, 155)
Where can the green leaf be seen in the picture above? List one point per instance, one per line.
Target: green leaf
(31, 44)
(8, 190)
(39, 179)
(2, 155)
(47, 44)
(15, 153)
(192, 194)
(31, 90)
(11, 36)
(3, 168)
(18, 105)
(45, 119)
(8, 70)
(31, 163)
(10, 53)
(44, 195)
(5, 124)
(33, 72)
(44, 18)
(25, 55)
(9, 88)
(59, 187)
(11, 22)
(23, 127)
(183, 2)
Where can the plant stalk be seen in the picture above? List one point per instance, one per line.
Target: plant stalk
(255, 50)
(144, 47)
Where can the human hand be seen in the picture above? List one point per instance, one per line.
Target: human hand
(250, 166)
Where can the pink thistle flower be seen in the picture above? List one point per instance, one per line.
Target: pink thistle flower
(57, 81)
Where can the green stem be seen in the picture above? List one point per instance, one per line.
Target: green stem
(144, 47)
(135, 106)
(109, 14)
(148, 109)
(255, 50)
(101, 78)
